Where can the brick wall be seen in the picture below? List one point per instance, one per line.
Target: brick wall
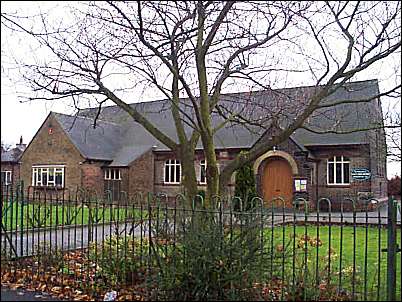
(92, 177)
(15, 171)
(52, 149)
(223, 157)
(359, 156)
(159, 175)
(141, 174)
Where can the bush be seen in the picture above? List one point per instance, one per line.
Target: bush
(120, 259)
(211, 263)
(245, 187)
(394, 186)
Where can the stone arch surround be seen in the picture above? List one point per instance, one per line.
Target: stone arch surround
(276, 153)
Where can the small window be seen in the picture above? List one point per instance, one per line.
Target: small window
(172, 171)
(338, 169)
(6, 178)
(112, 174)
(203, 172)
(49, 176)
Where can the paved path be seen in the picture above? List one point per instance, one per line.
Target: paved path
(24, 295)
(70, 238)
(81, 236)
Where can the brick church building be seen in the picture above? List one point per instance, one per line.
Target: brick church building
(121, 156)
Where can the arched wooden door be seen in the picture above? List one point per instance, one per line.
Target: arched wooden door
(277, 181)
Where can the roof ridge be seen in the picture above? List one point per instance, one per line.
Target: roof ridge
(239, 93)
(88, 118)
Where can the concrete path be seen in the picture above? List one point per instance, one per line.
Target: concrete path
(70, 238)
(24, 295)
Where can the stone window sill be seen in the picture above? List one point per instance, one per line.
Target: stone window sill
(47, 188)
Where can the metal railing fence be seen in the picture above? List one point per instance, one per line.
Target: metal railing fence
(150, 248)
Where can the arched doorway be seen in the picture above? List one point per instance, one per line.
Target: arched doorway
(277, 180)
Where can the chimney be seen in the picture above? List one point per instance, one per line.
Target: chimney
(21, 145)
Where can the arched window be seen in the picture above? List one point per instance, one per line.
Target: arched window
(203, 172)
(338, 170)
(172, 171)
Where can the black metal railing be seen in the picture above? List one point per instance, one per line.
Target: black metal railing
(82, 246)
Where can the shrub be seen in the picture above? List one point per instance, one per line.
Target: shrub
(120, 259)
(245, 187)
(211, 263)
(4, 254)
(394, 186)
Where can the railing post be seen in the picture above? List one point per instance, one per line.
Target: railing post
(391, 250)
(21, 189)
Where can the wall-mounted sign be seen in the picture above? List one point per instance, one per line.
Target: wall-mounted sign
(300, 185)
(361, 174)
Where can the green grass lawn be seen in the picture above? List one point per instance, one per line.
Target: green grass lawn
(370, 264)
(17, 216)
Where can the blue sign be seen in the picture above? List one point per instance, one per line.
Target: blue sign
(361, 174)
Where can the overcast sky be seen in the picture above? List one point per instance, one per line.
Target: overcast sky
(24, 119)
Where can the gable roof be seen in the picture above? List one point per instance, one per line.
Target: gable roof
(119, 139)
(100, 143)
(12, 155)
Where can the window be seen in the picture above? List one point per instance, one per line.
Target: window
(172, 171)
(338, 170)
(48, 176)
(112, 174)
(203, 172)
(6, 177)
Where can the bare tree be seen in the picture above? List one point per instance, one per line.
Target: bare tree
(192, 52)
(393, 135)
(5, 146)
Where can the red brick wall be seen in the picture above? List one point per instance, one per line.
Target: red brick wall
(359, 156)
(92, 177)
(141, 174)
(15, 171)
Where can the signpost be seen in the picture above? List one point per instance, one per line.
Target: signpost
(361, 174)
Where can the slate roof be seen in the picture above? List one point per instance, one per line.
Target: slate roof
(117, 138)
(99, 143)
(11, 156)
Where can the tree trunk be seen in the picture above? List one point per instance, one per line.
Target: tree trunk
(212, 172)
(189, 178)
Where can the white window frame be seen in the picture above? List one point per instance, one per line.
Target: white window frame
(108, 174)
(172, 164)
(334, 161)
(8, 176)
(203, 163)
(45, 170)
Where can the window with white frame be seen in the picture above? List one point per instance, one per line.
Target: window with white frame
(112, 174)
(48, 176)
(203, 172)
(6, 177)
(338, 170)
(172, 171)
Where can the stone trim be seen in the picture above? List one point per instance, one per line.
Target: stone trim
(278, 153)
